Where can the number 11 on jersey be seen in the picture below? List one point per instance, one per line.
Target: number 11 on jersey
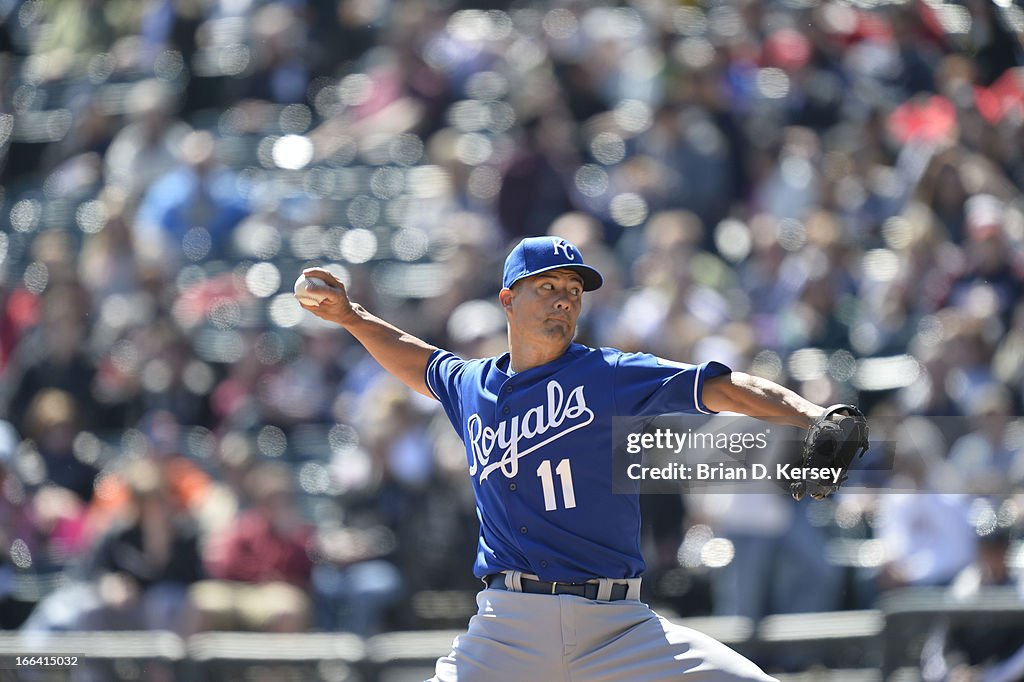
(564, 471)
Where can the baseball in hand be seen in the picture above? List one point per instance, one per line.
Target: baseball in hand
(311, 290)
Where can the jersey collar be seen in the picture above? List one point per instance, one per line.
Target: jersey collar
(503, 361)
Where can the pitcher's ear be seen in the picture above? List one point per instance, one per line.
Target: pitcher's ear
(505, 298)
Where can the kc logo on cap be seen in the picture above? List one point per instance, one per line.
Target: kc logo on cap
(567, 249)
(535, 255)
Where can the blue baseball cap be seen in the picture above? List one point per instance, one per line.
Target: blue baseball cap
(535, 255)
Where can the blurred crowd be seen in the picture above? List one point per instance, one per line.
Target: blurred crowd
(826, 194)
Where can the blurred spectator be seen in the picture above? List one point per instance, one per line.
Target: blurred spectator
(302, 390)
(989, 568)
(19, 311)
(54, 357)
(233, 459)
(778, 566)
(52, 423)
(983, 458)
(924, 530)
(926, 537)
(20, 537)
(1008, 361)
(533, 184)
(143, 565)
(790, 188)
(189, 213)
(282, 54)
(80, 30)
(187, 488)
(994, 653)
(234, 400)
(993, 47)
(394, 433)
(169, 25)
(356, 587)
(107, 266)
(149, 145)
(167, 388)
(697, 159)
(76, 161)
(989, 285)
(260, 566)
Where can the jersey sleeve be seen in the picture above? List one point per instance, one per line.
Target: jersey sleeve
(646, 385)
(443, 376)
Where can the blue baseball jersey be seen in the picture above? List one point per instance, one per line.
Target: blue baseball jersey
(539, 446)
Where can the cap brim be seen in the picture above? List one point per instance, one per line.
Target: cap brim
(592, 279)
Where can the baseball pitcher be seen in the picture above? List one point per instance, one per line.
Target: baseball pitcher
(558, 552)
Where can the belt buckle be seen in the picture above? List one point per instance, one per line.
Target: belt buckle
(554, 585)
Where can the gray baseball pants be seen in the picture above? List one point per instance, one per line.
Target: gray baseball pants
(517, 636)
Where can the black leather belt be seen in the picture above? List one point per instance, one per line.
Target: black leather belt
(586, 590)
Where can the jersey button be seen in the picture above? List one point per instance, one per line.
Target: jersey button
(508, 389)
(506, 410)
(523, 530)
(543, 564)
(512, 487)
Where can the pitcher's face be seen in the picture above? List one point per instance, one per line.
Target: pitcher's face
(544, 308)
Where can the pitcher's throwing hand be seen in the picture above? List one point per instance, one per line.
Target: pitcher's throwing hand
(321, 293)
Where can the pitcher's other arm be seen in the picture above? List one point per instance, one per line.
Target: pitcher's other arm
(758, 397)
